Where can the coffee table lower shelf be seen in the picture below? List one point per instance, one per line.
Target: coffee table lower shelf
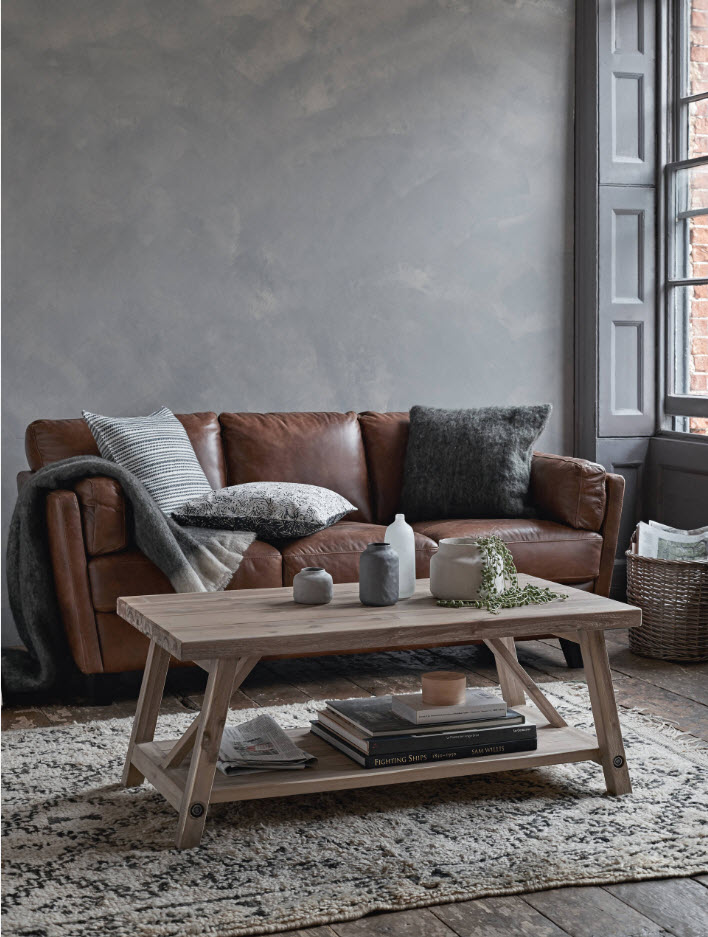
(335, 772)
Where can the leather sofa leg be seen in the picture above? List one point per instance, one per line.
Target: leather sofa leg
(100, 688)
(572, 653)
(484, 655)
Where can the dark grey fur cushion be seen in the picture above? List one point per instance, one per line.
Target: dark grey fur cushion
(470, 463)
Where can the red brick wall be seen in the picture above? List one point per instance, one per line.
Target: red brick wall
(698, 146)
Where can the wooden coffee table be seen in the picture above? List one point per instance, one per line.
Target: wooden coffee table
(227, 633)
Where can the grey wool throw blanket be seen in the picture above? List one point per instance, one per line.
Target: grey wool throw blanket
(193, 559)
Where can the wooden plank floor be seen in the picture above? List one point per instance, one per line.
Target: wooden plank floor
(678, 693)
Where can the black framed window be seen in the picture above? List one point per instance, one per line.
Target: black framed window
(686, 187)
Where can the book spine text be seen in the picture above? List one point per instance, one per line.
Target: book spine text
(412, 758)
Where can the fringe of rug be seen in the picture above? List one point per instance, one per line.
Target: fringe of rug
(681, 741)
(342, 917)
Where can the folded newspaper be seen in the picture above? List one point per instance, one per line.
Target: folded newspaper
(668, 543)
(259, 745)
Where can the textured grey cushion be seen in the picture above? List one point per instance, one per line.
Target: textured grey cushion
(156, 449)
(470, 463)
(274, 510)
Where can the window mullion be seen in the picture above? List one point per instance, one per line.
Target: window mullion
(686, 405)
(693, 98)
(691, 213)
(691, 163)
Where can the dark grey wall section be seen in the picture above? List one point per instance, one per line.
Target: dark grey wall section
(250, 204)
(677, 489)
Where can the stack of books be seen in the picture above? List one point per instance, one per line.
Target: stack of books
(401, 730)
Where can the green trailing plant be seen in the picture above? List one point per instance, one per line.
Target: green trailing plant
(497, 561)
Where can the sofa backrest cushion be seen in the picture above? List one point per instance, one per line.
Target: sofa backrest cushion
(204, 433)
(323, 449)
(49, 441)
(385, 440)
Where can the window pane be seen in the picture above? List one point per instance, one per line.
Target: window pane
(695, 48)
(687, 223)
(697, 114)
(697, 425)
(689, 324)
(689, 189)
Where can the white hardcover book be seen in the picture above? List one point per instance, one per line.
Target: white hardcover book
(479, 704)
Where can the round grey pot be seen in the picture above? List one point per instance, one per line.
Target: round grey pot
(312, 586)
(378, 575)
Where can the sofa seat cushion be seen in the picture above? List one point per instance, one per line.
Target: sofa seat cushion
(324, 449)
(540, 548)
(132, 573)
(261, 568)
(339, 547)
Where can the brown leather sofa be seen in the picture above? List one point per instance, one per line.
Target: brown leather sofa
(361, 456)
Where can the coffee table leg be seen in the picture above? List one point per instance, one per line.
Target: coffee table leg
(202, 767)
(604, 710)
(511, 687)
(151, 690)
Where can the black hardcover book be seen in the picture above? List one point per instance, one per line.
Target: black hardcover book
(413, 758)
(373, 716)
(428, 741)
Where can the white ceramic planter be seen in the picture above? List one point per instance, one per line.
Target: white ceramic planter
(456, 570)
(312, 586)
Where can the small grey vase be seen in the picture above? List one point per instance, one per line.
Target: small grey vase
(378, 575)
(312, 586)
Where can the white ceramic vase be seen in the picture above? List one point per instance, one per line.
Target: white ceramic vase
(456, 570)
(401, 537)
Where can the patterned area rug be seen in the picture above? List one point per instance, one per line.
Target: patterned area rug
(84, 857)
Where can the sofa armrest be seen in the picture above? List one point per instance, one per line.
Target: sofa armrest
(614, 485)
(66, 547)
(570, 491)
(22, 479)
(103, 515)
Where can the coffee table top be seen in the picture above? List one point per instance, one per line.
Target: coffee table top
(267, 622)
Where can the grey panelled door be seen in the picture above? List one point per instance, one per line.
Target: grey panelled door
(626, 47)
(616, 241)
(627, 313)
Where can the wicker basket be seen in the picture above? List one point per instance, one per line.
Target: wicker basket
(673, 597)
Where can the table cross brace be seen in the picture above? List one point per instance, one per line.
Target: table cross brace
(185, 743)
(506, 660)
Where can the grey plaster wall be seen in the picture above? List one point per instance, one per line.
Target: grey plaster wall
(253, 204)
